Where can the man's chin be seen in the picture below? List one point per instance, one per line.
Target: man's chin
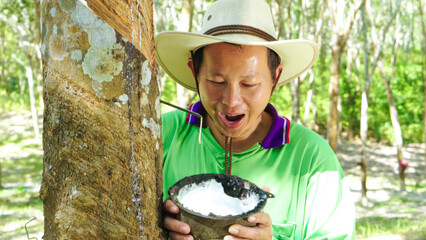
(229, 132)
(233, 133)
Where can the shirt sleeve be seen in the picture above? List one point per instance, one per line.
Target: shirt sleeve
(329, 211)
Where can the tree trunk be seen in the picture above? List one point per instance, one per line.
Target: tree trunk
(1, 185)
(364, 108)
(424, 76)
(184, 96)
(3, 80)
(396, 126)
(377, 47)
(334, 94)
(295, 100)
(37, 63)
(101, 139)
(3, 63)
(363, 133)
(30, 79)
(309, 96)
(185, 24)
(341, 27)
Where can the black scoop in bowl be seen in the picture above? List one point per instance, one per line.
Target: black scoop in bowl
(213, 226)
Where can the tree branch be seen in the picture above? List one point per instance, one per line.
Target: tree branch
(350, 20)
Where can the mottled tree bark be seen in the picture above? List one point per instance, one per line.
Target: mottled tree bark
(101, 140)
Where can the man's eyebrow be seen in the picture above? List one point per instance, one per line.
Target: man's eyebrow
(215, 74)
(218, 74)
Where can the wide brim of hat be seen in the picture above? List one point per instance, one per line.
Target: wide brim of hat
(173, 49)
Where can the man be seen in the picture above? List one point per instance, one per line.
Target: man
(235, 65)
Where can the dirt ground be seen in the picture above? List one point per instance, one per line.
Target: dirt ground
(385, 199)
(382, 176)
(386, 204)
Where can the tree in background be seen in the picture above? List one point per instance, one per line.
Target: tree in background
(341, 28)
(422, 23)
(377, 47)
(18, 31)
(179, 15)
(101, 140)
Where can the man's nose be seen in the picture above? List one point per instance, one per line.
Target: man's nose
(232, 95)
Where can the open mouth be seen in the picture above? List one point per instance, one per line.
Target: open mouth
(232, 121)
(234, 118)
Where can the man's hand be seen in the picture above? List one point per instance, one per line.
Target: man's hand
(262, 231)
(177, 230)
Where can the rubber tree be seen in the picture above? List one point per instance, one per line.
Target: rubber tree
(422, 22)
(377, 41)
(101, 139)
(341, 25)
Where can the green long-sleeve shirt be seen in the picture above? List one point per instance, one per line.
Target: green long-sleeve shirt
(303, 173)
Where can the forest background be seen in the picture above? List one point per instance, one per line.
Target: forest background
(377, 49)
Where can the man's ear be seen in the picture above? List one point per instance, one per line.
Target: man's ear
(190, 64)
(278, 72)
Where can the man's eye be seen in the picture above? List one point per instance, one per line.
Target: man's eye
(249, 85)
(215, 82)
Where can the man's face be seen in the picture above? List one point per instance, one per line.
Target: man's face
(235, 86)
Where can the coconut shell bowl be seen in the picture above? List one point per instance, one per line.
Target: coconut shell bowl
(213, 226)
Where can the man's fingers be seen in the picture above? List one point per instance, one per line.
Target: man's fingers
(178, 236)
(245, 232)
(177, 230)
(262, 230)
(229, 237)
(258, 232)
(174, 225)
(260, 218)
(171, 207)
(266, 189)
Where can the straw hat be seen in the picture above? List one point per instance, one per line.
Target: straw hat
(243, 22)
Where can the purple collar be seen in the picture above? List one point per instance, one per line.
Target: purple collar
(277, 136)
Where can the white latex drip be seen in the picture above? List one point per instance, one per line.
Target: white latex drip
(209, 197)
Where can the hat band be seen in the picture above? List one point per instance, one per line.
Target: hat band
(239, 29)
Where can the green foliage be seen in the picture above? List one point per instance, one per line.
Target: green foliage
(169, 94)
(15, 101)
(281, 100)
(17, 42)
(408, 93)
